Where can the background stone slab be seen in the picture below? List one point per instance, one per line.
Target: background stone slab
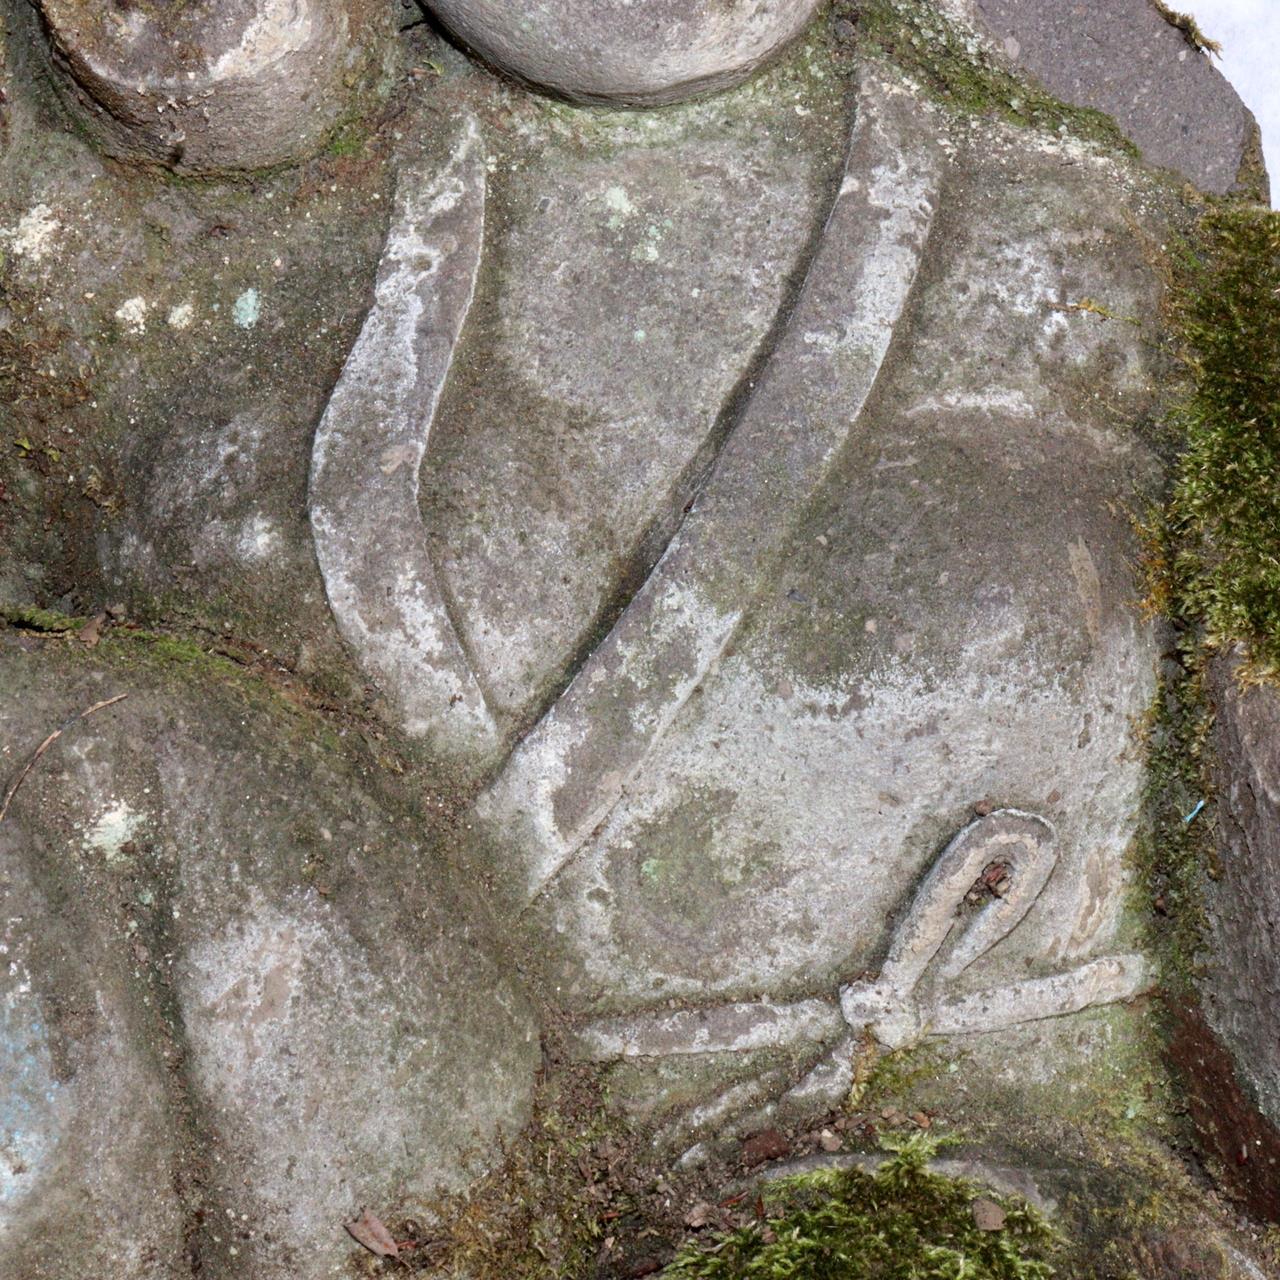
(1243, 987)
(1122, 57)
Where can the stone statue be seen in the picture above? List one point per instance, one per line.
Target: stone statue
(645, 587)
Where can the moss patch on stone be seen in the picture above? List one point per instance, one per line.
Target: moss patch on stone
(956, 68)
(1214, 556)
(1211, 555)
(33, 618)
(902, 1222)
(1175, 851)
(1189, 28)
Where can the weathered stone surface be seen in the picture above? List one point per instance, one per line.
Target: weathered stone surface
(217, 84)
(1122, 57)
(750, 481)
(549, 452)
(697, 816)
(942, 934)
(1236, 1140)
(243, 997)
(673, 822)
(566, 776)
(175, 363)
(369, 449)
(90, 1130)
(1242, 990)
(629, 51)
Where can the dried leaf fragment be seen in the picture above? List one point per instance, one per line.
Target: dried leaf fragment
(701, 1215)
(369, 1231)
(91, 632)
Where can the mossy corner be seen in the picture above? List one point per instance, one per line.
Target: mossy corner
(1211, 552)
(1216, 554)
(901, 1222)
(1212, 567)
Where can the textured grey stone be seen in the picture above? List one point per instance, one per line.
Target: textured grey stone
(1122, 57)
(568, 775)
(216, 84)
(945, 615)
(508, 429)
(1242, 989)
(938, 938)
(766, 484)
(679, 801)
(90, 1128)
(629, 51)
(368, 453)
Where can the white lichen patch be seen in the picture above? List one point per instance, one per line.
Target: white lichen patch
(618, 202)
(116, 827)
(259, 539)
(181, 316)
(132, 314)
(35, 234)
(248, 309)
(279, 29)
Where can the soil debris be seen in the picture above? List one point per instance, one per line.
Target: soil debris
(768, 1144)
(987, 1215)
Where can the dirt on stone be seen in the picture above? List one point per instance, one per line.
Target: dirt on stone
(1241, 1147)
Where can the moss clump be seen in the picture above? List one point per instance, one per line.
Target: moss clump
(880, 1075)
(902, 1222)
(1175, 851)
(1214, 555)
(958, 70)
(32, 618)
(1189, 28)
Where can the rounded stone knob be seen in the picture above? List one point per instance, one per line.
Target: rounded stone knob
(214, 85)
(637, 52)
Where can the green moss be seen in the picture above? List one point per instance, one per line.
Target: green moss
(349, 136)
(1214, 555)
(1211, 555)
(1174, 851)
(881, 1076)
(902, 1222)
(959, 71)
(177, 651)
(32, 618)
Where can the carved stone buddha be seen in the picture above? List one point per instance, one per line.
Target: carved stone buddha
(652, 586)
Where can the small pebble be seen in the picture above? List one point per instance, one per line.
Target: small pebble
(987, 1215)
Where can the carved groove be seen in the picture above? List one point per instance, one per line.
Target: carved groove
(564, 779)
(902, 1006)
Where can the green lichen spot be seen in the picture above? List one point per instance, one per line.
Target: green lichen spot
(31, 618)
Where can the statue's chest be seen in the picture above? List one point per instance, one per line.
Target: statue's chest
(624, 307)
